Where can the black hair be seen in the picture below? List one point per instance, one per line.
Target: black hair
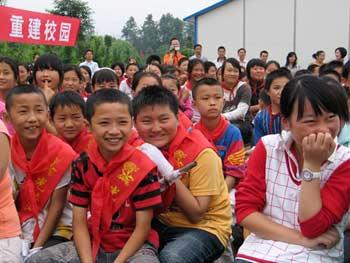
(87, 69)
(263, 52)
(303, 72)
(104, 74)
(342, 51)
(154, 95)
(252, 63)
(169, 69)
(160, 67)
(279, 73)
(140, 75)
(197, 45)
(48, 61)
(152, 58)
(71, 67)
(88, 50)
(328, 71)
(334, 64)
(319, 52)
(120, 65)
(105, 96)
(208, 65)
(291, 54)
(322, 93)
(25, 65)
(173, 38)
(22, 89)
(234, 62)
(202, 82)
(193, 62)
(172, 77)
(270, 62)
(66, 98)
(346, 72)
(131, 64)
(242, 48)
(221, 47)
(182, 60)
(13, 65)
(312, 67)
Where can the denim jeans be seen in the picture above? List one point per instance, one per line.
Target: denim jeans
(187, 245)
(66, 253)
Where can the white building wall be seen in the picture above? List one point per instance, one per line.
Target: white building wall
(321, 25)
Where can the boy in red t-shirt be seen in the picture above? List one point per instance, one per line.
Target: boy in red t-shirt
(109, 181)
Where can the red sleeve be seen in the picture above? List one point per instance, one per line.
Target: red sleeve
(251, 191)
(335, 197)
(234, 162)
(79, 193)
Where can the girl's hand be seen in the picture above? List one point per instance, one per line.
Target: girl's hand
(325, 241)
(48, 92)
(316, 150)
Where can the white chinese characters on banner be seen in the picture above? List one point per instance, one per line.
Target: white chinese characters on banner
(34, 28)
(16, 26)
(65, 31)
(50, 30)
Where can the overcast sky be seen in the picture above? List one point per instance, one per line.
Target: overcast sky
(110, 15)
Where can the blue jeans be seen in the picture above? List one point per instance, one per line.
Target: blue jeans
(187, 245)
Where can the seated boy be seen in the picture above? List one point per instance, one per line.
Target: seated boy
(110, 182)
(268, 121)
(40, 167)
(67, 112)
(209, 100)
(196, 228)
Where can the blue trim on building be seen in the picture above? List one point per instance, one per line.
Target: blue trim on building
(195, 37)
(208, 9)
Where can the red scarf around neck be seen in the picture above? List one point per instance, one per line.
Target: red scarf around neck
(120, 178)
(213, 135)
(43, 172)
(82, 142)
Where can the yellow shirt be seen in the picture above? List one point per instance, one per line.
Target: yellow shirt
(206, 179)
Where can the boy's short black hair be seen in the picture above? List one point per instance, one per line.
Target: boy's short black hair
(48, 61)
(104, 74)
(105, 96)
(312, 67)
(263, 52)
(19, 90)
(279, 73)
(329, 71)
(154, 95)
(153, 58)
(172, 77)
(301, 72)
(323, 93)
(202, 82)
(88, 50)
(67, 98)
(169, 69)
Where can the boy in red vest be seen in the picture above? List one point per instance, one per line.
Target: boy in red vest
(40, 167)
(196, 227)
(118, 185)
(67, 112)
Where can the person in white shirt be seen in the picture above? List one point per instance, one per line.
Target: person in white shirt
(221, 57)
(197, 48)
(241, 56)
(89, 55)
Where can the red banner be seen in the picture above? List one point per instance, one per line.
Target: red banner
(24, 26)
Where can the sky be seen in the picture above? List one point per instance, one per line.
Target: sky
(111, 15)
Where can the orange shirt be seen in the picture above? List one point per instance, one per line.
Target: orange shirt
(9, 221)
(176, 57)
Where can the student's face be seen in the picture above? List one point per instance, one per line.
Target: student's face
(310, 123)
(257, 73)
(23, 74)
(28, 115)
(338, 55)
(69, 121)
(221, 53)
(118, 71)
(89, 56)
(184, 66)
(321, 57)
(145, 82)
(231, 74)
(272, 67)
(241, 54)
(105, 85)
(198, 50)
(209, 101)
(111, 126)
(7, 77)
(211, 73)
(85, 74)
(264, 57)
(49, 78)
(157, 125)
(276, 89)
(197, 73)
(130, 72)
(171, 85)
(292, 59)
(71, 81)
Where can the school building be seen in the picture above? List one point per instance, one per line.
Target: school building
(279, 26)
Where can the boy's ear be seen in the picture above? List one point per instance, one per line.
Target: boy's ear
(6, 117)
(285, 124)
(88, 126)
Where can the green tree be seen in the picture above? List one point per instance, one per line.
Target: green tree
(131, 32)
(170, 27)
(150, 35)
(76, 8)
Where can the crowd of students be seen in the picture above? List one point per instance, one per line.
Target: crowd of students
(175, 161)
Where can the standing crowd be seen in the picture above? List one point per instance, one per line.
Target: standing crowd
(180, 160)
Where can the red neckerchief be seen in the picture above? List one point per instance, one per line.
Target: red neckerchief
(128, 82)
(184, 120)
(272, 118)
(213, 135)
(82, 142)
(256, 87)
(135, 139)
(188, 85)
(183, 149)
(43, 172)
(120, 178)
